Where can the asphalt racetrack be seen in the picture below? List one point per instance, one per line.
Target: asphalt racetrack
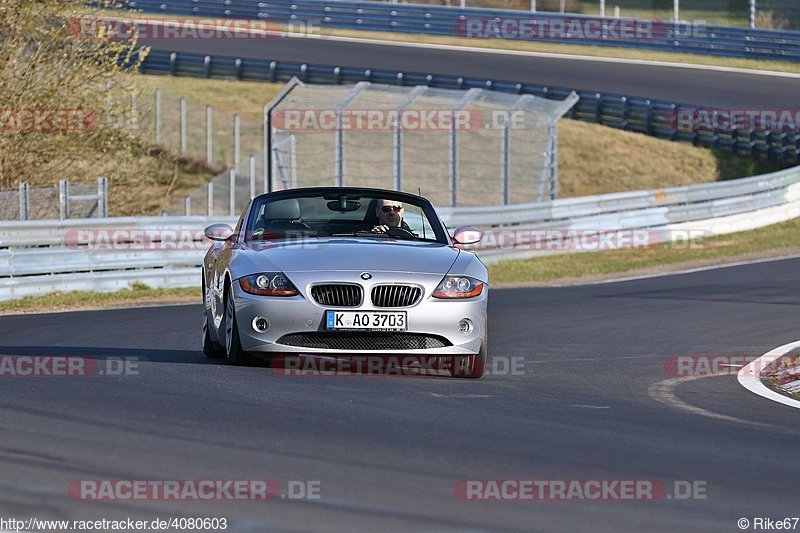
(387, 452)
(727, 90)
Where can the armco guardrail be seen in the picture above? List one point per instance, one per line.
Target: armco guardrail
(651, 117)
(727, 41)
(40, 256)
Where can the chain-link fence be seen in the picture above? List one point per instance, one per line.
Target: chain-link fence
(459, 148)
(196, 130)
(60, 201)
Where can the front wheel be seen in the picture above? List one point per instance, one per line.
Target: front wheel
(211, 349)
(233, 345)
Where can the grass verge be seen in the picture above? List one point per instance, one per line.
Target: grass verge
(771, 241)
(138, 295)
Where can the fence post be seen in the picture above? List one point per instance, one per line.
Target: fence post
(102, 197)
(134, 113)
(209, 134)
(158, 116)
(232, 192)
(266, 148)
(236, 142)
(252, 176)
(63, 199)
(505, 162)
(23, 200)
(293, 158)
(183, 124)
(553, 160)
(398, 156)
(339, 149)
(210, 198)
(453, 166)
(533, 6)
(752, 14)
(602, 8)
(187, 205)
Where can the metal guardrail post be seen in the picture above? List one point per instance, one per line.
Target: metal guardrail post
(183, 124)
(209, 134)
(752, 14)
(232, 192)
(187, 205)
(236, 142)
(102, 197)
(252, 176)
(63, 199)
(158, 116)
(210, 198)
(602, 8)
(23, 200)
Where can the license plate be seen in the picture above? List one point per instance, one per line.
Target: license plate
(366, 320)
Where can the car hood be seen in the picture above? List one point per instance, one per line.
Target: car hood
(347, 254)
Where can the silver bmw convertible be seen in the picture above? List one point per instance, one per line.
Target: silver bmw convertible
(345, 272)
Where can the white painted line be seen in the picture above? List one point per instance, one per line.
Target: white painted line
(463, 396)
(591, 406)
(748, 376)
(664, 392)
(478, 49)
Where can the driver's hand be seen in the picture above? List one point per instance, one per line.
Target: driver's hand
(380, 229)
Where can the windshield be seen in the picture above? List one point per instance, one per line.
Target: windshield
(342, 213)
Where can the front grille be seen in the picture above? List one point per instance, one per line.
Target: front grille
(364, 341)
(337, 295)
(395, 295)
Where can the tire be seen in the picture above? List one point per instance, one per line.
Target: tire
(472, 366)
(211, 349)
(233, 345)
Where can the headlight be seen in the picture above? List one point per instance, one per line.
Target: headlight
(268, 284)
(458, 287)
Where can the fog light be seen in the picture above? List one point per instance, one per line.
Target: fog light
(260, 324)
(465, 326)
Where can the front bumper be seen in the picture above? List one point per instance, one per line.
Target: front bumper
(298, 315)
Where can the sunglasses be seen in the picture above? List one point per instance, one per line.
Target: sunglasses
(395, 208)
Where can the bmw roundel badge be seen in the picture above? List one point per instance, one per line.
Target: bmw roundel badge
(366, 275)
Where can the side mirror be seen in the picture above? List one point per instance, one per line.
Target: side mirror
(218, 232)
(467, 235)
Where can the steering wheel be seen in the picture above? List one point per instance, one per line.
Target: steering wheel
(401, 233)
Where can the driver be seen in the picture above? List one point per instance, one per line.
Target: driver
(390, 215)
